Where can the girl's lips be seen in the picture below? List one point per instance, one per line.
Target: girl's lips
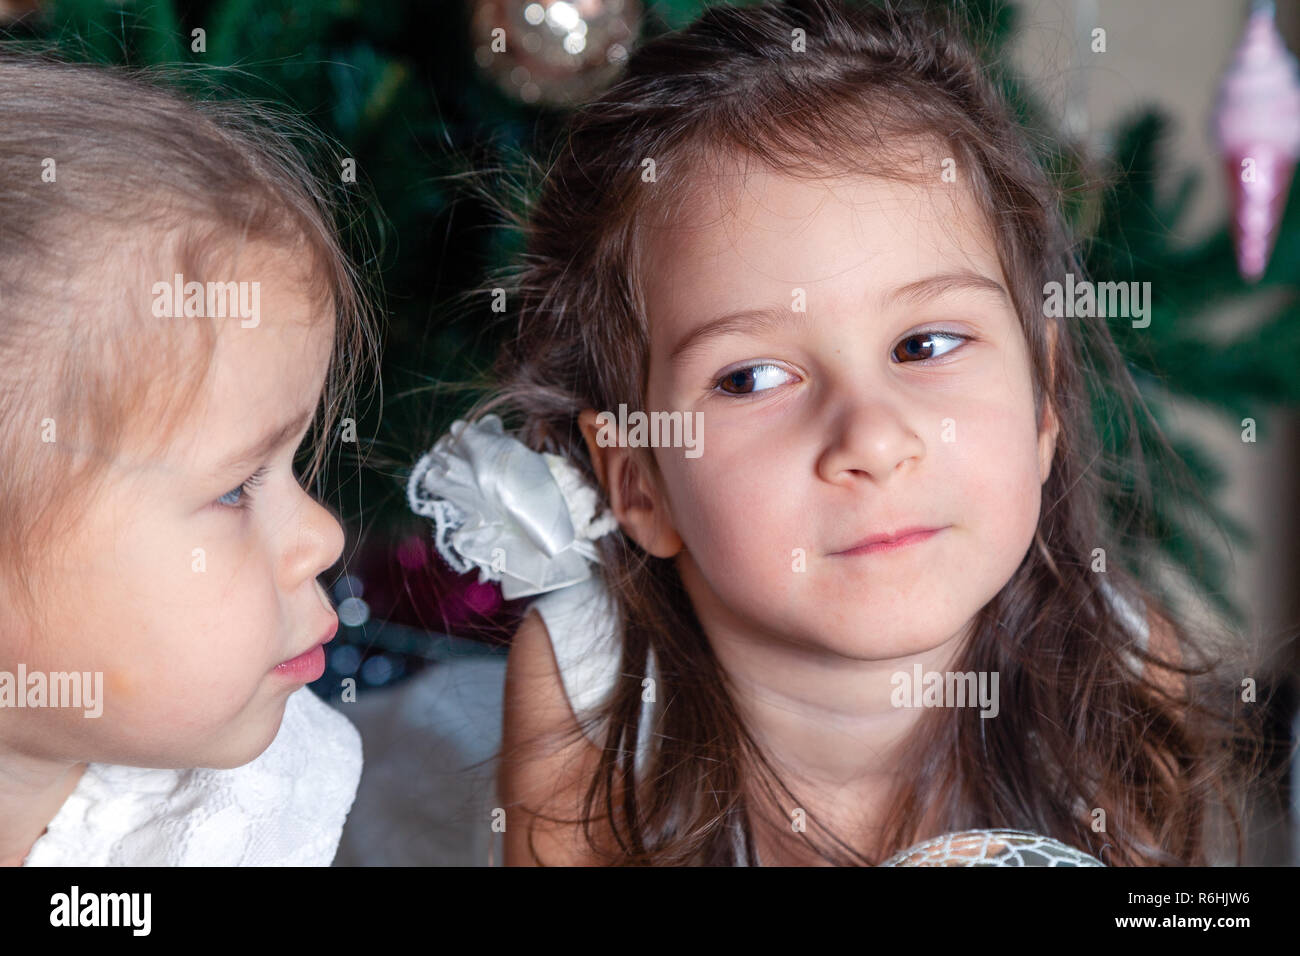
(310, 664)
(913, 536)
(304, 668)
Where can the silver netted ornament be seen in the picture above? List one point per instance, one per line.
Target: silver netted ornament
(992, 848)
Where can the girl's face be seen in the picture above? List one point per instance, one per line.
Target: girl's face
(184, 590)
(881, 382)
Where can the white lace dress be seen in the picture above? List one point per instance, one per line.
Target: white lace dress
(581, 622)
(285, 808)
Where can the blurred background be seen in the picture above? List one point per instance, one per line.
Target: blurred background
(414, 92)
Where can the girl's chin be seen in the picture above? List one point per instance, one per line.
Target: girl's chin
(238, 741)
(881, 638)
(878, 652)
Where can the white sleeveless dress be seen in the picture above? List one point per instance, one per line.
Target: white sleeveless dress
(581, 622)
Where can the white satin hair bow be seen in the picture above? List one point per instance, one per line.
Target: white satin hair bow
(527, 519)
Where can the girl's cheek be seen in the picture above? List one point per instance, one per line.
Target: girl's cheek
(120, 686)
(987, 433)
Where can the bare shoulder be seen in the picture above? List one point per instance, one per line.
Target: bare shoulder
(547, 762)
(533, 685)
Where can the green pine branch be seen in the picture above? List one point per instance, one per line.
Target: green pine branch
(399, 91)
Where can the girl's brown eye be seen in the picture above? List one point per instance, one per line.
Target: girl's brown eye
(750, 379)
(738, 382)
(920, 346)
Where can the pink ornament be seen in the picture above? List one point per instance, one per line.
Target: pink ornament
(1257, 123)
(482, 599)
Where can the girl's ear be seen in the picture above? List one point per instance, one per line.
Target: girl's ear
(635, 499)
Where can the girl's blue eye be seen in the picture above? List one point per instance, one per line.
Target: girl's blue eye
(750, 379)
(240, 496)
(925, 349)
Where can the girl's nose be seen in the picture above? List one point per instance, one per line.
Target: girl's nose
(318, 542)
(869, 438)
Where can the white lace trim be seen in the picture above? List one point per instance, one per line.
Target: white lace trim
(285, 808)
(524, 518)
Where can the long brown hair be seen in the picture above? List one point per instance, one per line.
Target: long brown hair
(1085, 731)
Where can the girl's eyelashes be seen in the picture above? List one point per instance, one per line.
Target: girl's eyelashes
(749, 379)
(924, 351)
(242, 496)
(918, 347)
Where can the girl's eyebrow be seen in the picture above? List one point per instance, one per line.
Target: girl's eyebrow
(772, 316)
(266, 444)
(742, 320)
(944, 282)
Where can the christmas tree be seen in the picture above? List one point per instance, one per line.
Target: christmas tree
(397, 88)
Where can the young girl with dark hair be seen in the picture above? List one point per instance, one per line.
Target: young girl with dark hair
(849, 582)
